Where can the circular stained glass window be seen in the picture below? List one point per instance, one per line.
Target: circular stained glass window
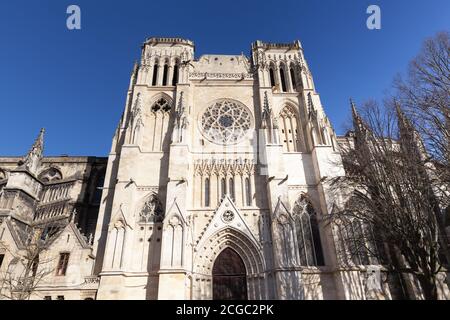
(225, 122)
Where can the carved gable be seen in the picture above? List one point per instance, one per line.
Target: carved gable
(227, 216)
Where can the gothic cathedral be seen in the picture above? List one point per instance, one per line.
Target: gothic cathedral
(213, 189)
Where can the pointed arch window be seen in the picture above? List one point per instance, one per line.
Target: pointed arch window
(308, 235)
(175, 74)
(272, 77)
(283, 79)
(207, 188)
(165, 74)
(160, 122)
(161, 105)
(155, 74)
(248, 193)
(231, 189)
(63, 263)
(290, 129)
(294, 82)
(358, 242)
(223, 187)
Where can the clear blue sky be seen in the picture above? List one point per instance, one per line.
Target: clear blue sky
(73, 83)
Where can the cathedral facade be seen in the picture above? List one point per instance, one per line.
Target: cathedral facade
(213, 189)
(214, 164)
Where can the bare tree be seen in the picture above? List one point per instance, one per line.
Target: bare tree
(398, 173)
(425, 96)
(30, 264)
(390, 210)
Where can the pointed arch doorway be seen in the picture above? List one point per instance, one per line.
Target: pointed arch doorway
(229, 276)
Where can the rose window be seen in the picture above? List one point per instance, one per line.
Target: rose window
(225, 122)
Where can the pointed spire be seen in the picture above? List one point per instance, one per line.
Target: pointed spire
(362, 132)
(404, 124)
(409, 138)
(354, 111)
(358, 122)
(32, 160)
(40, 138)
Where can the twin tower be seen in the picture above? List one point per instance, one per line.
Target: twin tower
(214, 182)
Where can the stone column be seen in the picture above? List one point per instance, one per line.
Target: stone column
(170, 75)
(276, 72)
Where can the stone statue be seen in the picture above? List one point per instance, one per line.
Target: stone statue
(152, 211)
